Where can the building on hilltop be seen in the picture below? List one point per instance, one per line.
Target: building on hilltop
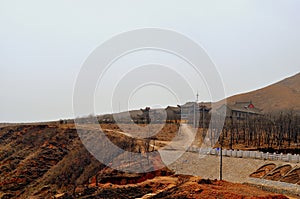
(173, 114)
(239, 110)
(192, 112)
(187, 113)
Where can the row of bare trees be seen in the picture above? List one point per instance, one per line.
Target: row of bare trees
(276, 131)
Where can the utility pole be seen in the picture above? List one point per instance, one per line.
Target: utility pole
(221, 162)
(221, 155)
(195, 115)
(196, 107)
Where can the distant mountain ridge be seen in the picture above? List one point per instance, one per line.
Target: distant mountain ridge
(281, 96)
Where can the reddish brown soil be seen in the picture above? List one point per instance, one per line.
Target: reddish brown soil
(47, 160)
(176, 186)
(263, 170)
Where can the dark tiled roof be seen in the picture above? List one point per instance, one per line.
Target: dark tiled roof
(174, 108)
(244, 107)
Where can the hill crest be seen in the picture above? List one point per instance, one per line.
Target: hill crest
(281, 96)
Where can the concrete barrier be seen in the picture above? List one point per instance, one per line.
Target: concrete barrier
(295, 158)
(256, 155)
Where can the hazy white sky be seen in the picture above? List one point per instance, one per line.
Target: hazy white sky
(43, 45)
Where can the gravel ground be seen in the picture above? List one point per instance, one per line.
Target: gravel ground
(234, 169)
(276, 187)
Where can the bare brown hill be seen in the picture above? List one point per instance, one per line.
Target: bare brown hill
(281, 96)
(49, 161)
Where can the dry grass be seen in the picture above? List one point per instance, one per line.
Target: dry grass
(281, 96)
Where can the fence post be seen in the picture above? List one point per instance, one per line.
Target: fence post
(289, 157)
(229, 153)
(280, 156)
(216, 152)
(239, 154)
(246, 154)
(295, 158)
(224, 152)
(234, 153)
